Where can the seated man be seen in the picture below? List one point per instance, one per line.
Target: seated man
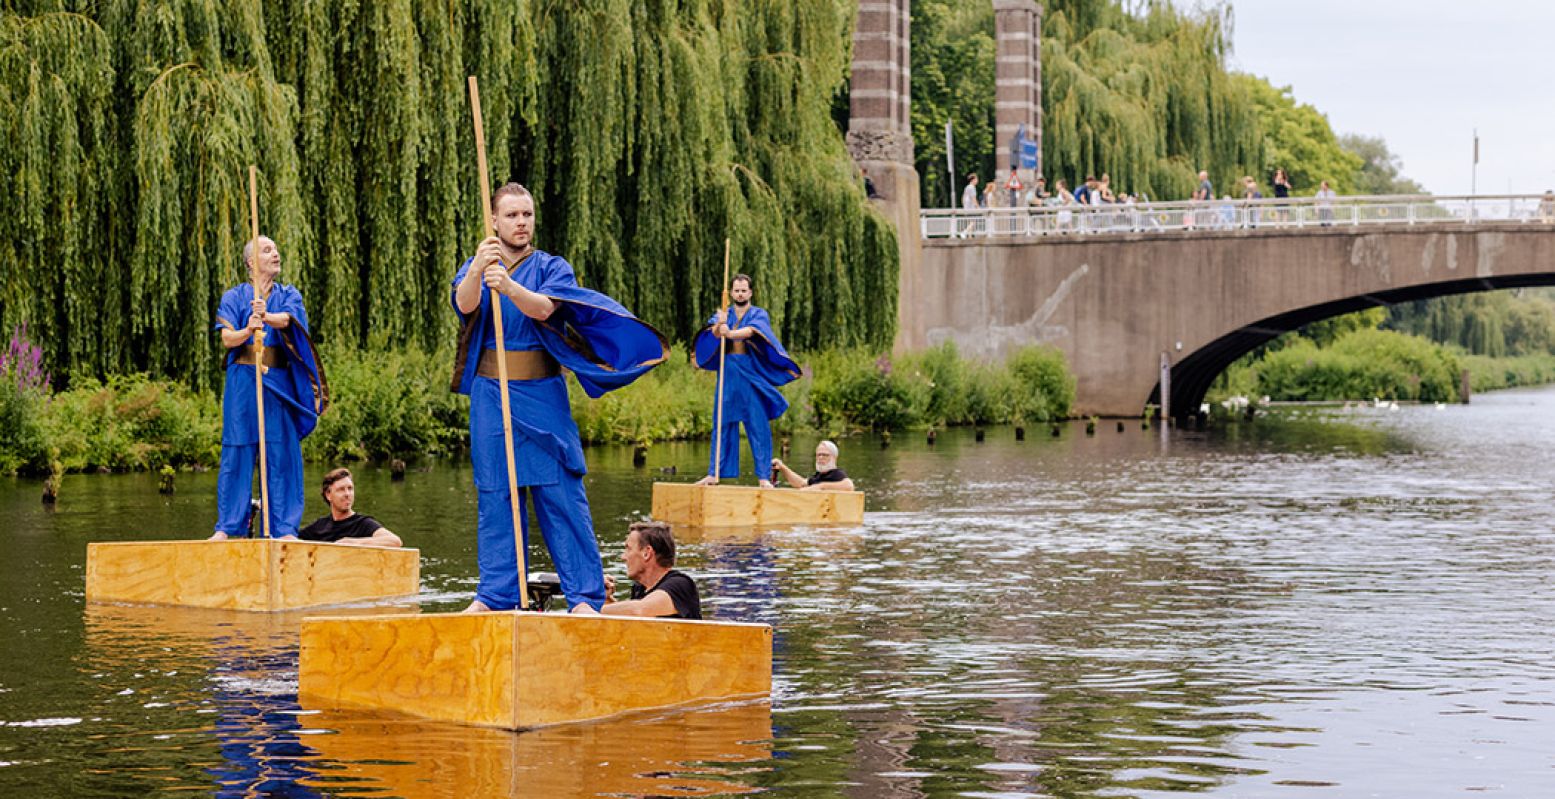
(344, 525)
(827, 476)
(658, 590)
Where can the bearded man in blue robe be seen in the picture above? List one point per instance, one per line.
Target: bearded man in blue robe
(755, 365)
(549, 322)
(296, 393)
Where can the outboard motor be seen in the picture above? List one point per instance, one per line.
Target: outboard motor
(542, 587)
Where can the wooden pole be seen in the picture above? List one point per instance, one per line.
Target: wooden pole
(718, 410)
(502, 354)
(259, 351)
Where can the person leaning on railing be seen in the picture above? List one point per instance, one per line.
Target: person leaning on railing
(1325, 204)
(1547, 207)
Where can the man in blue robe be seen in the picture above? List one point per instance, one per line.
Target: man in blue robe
(755, 365)
(295, 394)
(549, 322)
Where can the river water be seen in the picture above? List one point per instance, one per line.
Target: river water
(1320, 603)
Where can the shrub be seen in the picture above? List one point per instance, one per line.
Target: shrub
(384, 404)
(673, 401)
(24, 390)
(132, 422)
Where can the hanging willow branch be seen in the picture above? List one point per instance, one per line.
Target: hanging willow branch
(649, 129)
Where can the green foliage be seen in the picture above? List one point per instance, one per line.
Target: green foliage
(132, 422)
(21, 428)
(1488, 374)
(1361, 364)
(389, 404)
(1044, 389)
(1143, 95)
(1496, 323)
(674, 401)
(1298, 138)
(1380, 169)
(649, 131)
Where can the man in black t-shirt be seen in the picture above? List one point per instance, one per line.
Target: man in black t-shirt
(344, 525)
(827, 476)
(658, 590)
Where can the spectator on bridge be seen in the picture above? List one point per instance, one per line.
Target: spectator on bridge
(1205, 193)
(1038, 194)
(969, 194)
(1325, 204)
(1063, 200)
(1281, 191)
(1547, 207)
(1226, 213)
(1083, 195)
(991, 193)
(1250, 192)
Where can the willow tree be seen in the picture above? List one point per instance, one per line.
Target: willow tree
(1141, 93)
(648, 129)
(57, 160)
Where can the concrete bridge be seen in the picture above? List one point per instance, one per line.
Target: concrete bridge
(1120, 304)
(1135, 294)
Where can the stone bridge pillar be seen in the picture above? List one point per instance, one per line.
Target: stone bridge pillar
(880, 138)
(1018, 80)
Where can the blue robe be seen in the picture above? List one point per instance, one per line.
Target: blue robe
(295, 395)
(605, 347)
(750, 391)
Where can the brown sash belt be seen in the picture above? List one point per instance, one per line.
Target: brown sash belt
(737, 347)
(275, 357)
(522, 365)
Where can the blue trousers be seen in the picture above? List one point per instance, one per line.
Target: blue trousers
(562, 511)
(758, 434)
(235, 488)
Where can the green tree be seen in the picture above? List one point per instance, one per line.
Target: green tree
(1381, 170)
(1298, 138)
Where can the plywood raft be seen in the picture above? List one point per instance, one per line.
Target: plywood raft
(247, 574)
(519, 670)
(734, 506)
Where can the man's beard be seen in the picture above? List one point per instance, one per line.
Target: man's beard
(741, 303)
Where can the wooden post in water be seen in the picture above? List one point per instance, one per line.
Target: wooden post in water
(1464, 387)
(1166, 385)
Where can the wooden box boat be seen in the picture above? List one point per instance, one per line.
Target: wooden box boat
(519, 670)
(733, 506)
(247, 574)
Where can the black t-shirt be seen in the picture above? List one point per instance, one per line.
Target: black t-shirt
(327, 529)
(682, 591)
(833, 476)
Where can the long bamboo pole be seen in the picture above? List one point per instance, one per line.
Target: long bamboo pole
(718, 410)
(259, 351)
(502, 355)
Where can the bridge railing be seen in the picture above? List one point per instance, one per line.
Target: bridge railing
(1221, 215)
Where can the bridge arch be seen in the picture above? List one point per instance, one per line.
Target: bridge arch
(1115, 304)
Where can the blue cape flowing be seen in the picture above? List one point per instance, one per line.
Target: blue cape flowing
(769, 360)
(302, 387)
(603, 344)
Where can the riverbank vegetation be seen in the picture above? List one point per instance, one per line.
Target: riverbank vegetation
(1411, 351)
(397, 405)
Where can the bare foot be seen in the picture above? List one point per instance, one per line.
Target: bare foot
(477, 606)
(217, 536)
(584, 607)
(710, 480)
(766, 484)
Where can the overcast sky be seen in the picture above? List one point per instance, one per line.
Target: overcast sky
(1422, 74)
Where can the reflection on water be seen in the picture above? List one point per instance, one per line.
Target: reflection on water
(1320, 603)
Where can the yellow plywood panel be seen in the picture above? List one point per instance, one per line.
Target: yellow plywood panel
(680, 754)
(520, 670)
(646, 663)
(737, 506)
(309, 576)
(250, 575)
(449, 666)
